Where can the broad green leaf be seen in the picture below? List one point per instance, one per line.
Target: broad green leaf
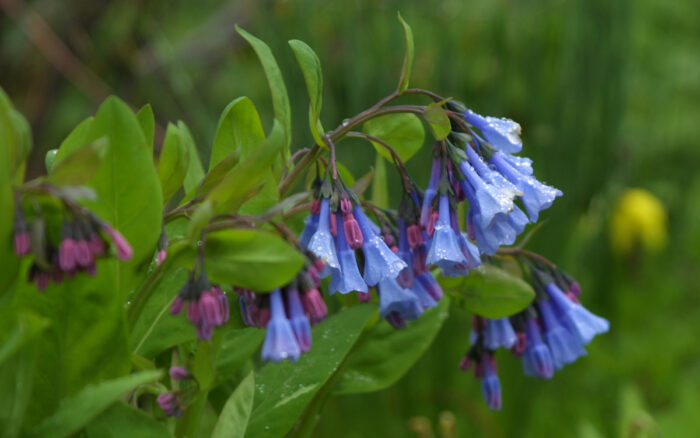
(265, 198)
(283, 390)
(173, 163)
(76, 412)
(311, 69)
(215, 175)
(77, 138)
(252, 259)
(156, 329)
(18, 331)
(380, 189)
(7, 203)
(123, 420)
(236, 187)
(489, 291)
(200, 218)
(15, 136)
(403, 132)
(280, 99)
(438, 120)
(78, 167)
(195, 171)
(49, 159)
(239, 130)
(203, 364)
(147, 121)
(233, 419)
(408, 57)
(386, 354)
(237, 346)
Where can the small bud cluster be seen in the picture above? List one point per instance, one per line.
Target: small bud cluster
(207, 305)
(174, 403)
(549, 334)
(82, 240)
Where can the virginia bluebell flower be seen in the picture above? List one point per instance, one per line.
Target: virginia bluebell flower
(444, 249)
(298, 319)
(564, 345)
(499, 333)
(576, 318)
(430, 192)
(311, 224)
(380, 261)
(321, 243)
(490, 384)
(394, 298)
(503, 134)
(280, 340)
(537, 359)
(347, 278)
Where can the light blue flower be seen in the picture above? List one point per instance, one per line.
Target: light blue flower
(576, 318)
(503, 134)
(564, 345)
(311, 224)
(348, 278)
(444, 249)
(499, 333)
(298, 320)
(491, 385)
(430, 192)
(537, 359)
(394, 298)
(280, 341)
(487, 198)
(380, 261)
(321, 243)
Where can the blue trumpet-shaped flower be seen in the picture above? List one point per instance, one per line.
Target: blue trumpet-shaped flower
(490, 176)
(380, 261)
(309, 230)
(537, 359)
(405, 278)
(348, 277)
(536, 196)
(499, 333)
(491, 385)
(489, 200)
(564, 345)
(521, 164)
(503, 134)
(430, 285)
(431, 191)
(280, 341)
(321, 243)
(444, 249)
(298, 319)
(425, 300)
(489, 239)
(394, 298)
(576, 318)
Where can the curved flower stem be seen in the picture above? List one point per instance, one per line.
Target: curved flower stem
(399, 163)
(526, 253)
(334, 164)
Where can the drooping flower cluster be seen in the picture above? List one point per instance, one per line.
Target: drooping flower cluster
(549, 334)
(287, 314)
(83, 239)
(174, 403)
(207, 305)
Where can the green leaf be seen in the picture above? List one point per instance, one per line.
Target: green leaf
(122, 420)
(215, 175)
(50, 158)
(147, 121)
(387, 354)
(489, 291)
(7, 202)
(283, 390)
(345, 173)
(239, 129)
(76, 412)
(233, 419)
(156, 329)
(438, 120)
(252, 259)
(78, 137)
(380, 189)
(236, 187)
(173, 163)
(237, 346)
(408, 57)
(15, 136)
(311, 69)
(202, 365)
(403, 132)
(195, 171)
(78, 167)
(280, 99)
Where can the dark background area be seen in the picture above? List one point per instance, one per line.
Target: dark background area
(607, 93)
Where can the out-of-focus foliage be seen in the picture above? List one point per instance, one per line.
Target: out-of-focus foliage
(606, 92)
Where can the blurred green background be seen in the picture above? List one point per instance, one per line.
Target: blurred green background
(608, 96)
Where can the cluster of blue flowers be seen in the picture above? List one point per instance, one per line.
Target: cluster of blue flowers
(549, 334)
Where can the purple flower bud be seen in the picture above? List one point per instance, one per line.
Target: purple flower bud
(364, 297)
(124, 251)
(209, 309)
(177, 306)
(193, 313)
(179, 373)
(66, 255)
(314, 305)
(490, 384)
(353, 234)
(162, 254)
(166, 401)
(97, 245)
(83, 255)
(22, 243)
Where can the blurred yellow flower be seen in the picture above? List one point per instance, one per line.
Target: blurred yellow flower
(638, 219)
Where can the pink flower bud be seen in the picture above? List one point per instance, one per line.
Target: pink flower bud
(364, 297)
(22, 243)
(176, 307)
(313, 304)
(431, 224)
(315, 206)
(209, 309)
(97, 245)
(162, 254)
(124, 251)
(83, 255)
(345, 206)
(66, 255)
(334, 225)
(193, 312)
(415, 236)
(353, 234)
(179, 373)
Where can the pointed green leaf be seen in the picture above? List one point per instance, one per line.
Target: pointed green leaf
(387, 354)
(489, 291)
(438, 120)
(239, 129)
(233, 419)
(215, 175)
(78, 167)
(311, 69)
(283, 390)
(237, 347)
(147, 121)
(195, 171)
(280, 99)
(408, 57)
(76, 412)
(380, 189)
(403, 132)
(15, 136)
(49, 159)
(252, 259)
(122, 420)
(173, 163)
(78, 137)
(7, 203)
